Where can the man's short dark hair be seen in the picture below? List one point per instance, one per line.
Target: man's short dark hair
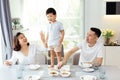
(96, 30)
(51, 10)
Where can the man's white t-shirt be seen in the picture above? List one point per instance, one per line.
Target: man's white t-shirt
(18, 56)
(54, 33)
(88, 54)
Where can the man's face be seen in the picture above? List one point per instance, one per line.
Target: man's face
(51, 17)
(91, 37)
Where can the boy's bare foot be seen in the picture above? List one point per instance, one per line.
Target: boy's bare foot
(51, 66)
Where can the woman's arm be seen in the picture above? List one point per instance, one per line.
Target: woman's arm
(11, 61)
(62, 36)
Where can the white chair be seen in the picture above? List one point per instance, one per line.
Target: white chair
(41, 58)
(75, 60)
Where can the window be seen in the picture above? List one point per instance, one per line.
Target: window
(69, 12)
(0, 46)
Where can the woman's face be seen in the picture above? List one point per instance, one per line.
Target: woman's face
(22, 39)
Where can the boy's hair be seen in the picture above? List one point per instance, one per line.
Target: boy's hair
(96, 30)
(51, 10)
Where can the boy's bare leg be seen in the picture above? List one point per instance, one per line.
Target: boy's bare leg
(52, 54)
(58, 54)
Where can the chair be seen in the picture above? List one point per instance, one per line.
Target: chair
(41, 58)
(75, 60)
(55, 59)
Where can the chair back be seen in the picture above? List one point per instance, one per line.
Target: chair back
(75, 60)
(41, 58)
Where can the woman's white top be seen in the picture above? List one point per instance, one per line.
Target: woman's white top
(88, 54)
(18, 56)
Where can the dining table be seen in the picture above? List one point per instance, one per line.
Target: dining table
(11, 73)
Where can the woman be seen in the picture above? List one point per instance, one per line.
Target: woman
(23, 52)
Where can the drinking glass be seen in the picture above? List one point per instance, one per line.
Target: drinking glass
(102, 73)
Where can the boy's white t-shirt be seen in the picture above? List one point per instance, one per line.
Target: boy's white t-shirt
(54, 33)
(88, 54)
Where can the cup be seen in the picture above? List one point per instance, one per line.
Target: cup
(102, 73)
(20, 71)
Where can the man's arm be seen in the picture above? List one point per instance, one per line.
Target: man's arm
(68, 54)
(99, 61)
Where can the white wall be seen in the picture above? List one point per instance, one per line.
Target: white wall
(16, 8)
(95, 16)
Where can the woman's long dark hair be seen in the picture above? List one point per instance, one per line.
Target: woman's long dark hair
(17, 46)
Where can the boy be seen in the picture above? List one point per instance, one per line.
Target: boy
(55, 35)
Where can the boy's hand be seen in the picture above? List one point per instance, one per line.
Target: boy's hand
(60, 41)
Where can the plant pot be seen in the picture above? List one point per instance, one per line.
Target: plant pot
(107, 41)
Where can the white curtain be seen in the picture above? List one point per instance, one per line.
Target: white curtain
(6, 29)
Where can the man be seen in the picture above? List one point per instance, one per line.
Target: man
(91, 49)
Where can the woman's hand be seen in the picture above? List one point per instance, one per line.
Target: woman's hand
(9, 63)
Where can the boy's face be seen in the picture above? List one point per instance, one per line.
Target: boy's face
(51, 17)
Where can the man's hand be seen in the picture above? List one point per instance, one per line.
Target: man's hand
(60, 64)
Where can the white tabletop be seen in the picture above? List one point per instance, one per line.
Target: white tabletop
(9, 73)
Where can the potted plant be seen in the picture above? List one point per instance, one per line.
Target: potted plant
(107, 34)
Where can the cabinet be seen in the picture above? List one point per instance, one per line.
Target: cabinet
(112, 55)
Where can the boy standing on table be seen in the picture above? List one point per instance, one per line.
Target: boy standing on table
(55, 35)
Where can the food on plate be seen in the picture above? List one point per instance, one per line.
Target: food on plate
(65, 73)
(53, 73)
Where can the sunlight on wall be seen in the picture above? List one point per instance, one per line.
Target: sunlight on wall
(34, 18)
(112, 22)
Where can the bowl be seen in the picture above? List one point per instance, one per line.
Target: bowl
(53, 73)
(34, 67)
(88, 69)
(32, 77)
(88, 77)
(85, 65)
(65, 73)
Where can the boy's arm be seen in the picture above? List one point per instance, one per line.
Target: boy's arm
(62, 36)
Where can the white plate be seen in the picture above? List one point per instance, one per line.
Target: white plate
(85, 65)
(34, 67)
(88, 69)
(65, 73)
(88, 77)
(53, 73)
(32, 77)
